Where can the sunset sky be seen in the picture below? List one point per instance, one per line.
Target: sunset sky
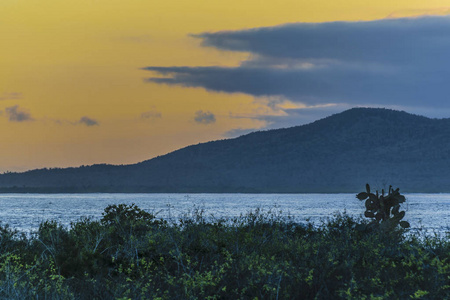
(119, 82)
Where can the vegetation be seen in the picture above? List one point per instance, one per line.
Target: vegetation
(130, 254)
(384, 210)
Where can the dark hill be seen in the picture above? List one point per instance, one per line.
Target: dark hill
(337, 154)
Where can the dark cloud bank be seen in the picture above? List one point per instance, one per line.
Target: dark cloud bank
(392, 62)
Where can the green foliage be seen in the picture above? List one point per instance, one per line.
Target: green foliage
(129, 254)
(384, 209)
(125, 214)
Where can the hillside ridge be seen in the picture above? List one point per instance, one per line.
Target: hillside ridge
(339, 153)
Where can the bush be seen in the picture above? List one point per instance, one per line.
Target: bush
(129, 254)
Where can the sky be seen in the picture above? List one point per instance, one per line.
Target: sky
(106, 81)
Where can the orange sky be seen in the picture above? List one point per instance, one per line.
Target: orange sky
(72, 91)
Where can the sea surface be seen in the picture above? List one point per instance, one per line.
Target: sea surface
(26, 211)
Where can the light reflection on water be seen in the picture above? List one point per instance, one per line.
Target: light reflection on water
(26, 211)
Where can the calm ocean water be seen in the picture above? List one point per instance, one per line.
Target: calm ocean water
(25, 211)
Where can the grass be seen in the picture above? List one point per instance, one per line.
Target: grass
(130, 254)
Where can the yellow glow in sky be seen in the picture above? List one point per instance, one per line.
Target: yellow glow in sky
(72, 91)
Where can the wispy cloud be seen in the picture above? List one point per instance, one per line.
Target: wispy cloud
(206, 117)
(238, 132)
(399, 62)
(441, 11)
(136, 39)
(88, 121)
(151, 115)
(10, 96)
(17, 114)
(286, 117)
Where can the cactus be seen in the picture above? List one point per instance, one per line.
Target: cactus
(384, 209)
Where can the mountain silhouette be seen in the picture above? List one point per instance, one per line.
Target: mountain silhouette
(340, 153)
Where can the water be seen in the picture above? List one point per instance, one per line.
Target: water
(26, 211)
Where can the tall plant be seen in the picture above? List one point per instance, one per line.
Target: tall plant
(384, 209)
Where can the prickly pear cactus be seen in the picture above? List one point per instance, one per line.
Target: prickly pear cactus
(384, 209)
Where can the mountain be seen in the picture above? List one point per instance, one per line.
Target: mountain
(340, 153)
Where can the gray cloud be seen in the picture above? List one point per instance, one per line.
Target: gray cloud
(206, 117)
(405, 39)
(401, 62)
(17, 114)
(88, 121)
(151, 115)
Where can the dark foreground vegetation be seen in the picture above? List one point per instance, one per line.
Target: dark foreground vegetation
(130, 254)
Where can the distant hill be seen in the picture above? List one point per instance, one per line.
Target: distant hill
(340, 153)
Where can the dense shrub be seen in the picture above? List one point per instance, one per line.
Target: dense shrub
(130, 254)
